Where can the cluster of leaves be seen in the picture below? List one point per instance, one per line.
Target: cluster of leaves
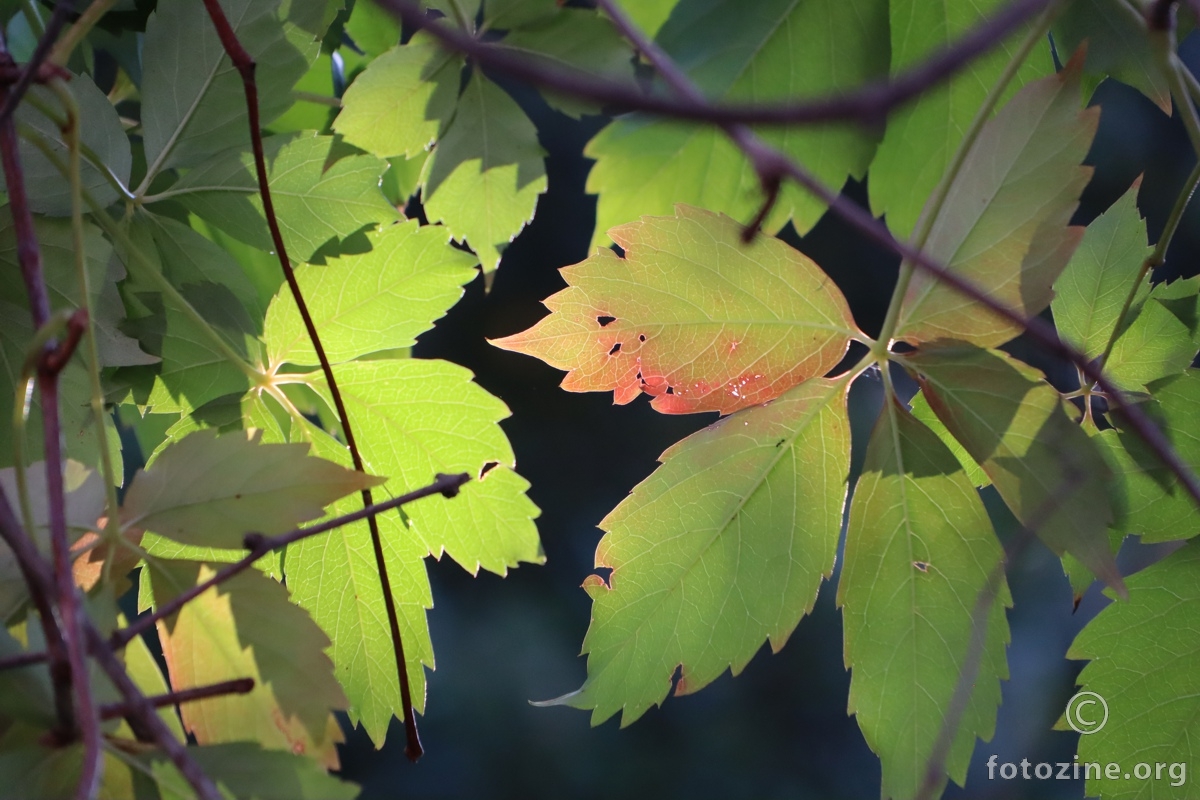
(726, 544)
(206, 364)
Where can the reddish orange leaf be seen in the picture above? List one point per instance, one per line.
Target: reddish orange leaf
(692, 317)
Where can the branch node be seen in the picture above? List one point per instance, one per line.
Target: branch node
(254, 542)
(55, 360)
(452, 482)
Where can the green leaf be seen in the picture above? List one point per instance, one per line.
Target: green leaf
(650, 15)
(246, 770)
(378, 300)
(1091, 291)
(923, 135)
(1154, 509)
(74, 390)
(922, 411)
(144, 671)
(784, 51)
(193, 105)
(1013, 424)
(722, 547)
(1143, 654)
(57, 246)
(99, 129)
(334, 576)
(403, 99)
(1117, 46)
(1005, 224)
(486, 173)
(31, 768)
(1155, 345)
(373, 29)
(574, 40)
(509, 14)
(314, 202)
(247, 628)
(920, 553)
(429, 417)
(691, 316)
(211, 491)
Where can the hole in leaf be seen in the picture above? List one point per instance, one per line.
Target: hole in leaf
(641, 337)
(678, 681)
(616, 348)
(670, 390)
(488, 467)
(605, 574)
(605, 320)
(921, 565)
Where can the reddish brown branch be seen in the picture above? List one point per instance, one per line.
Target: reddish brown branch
(867, 105)
(245, 67)
(237, 686)
(84, 721)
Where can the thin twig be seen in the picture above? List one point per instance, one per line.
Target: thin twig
(245, 65)
(867, 105)
(237, 686)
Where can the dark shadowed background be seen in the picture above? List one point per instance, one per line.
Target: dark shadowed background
(780, 729)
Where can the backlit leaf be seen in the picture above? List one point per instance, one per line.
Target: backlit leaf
(314, 202)
(403, 99)
(1013, 424)
(1005, 224)
(722, 547)
(334, 577)
(378, 300)
(212, 490)
(1143, 652)
(923, 135)
(920, 552)
(486, 174)
(782, 51)
(922, 411)
(1155, 345)
(429, 417)
(247, 628)
(692, 317)
(1091, 291)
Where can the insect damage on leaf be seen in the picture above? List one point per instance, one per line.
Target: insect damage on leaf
(692, 317)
